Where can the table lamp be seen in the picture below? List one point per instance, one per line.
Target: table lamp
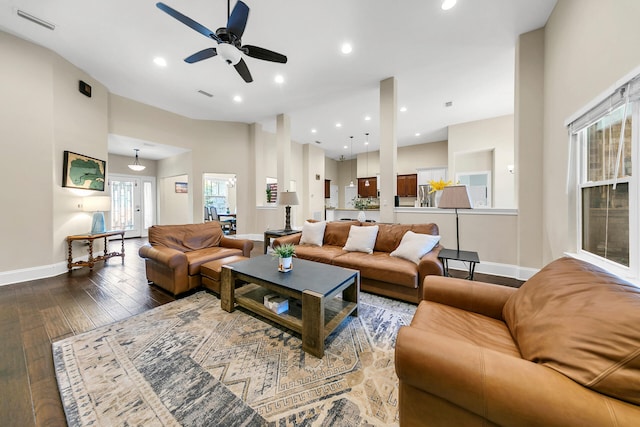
(98, 205)
(288, 199)
(455, 197)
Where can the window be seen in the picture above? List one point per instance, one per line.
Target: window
(606, 142)
(215, 193)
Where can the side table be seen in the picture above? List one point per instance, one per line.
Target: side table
(465, 256)
(275, 234)
(90, 238)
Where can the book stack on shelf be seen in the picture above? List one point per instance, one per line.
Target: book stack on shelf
(276, 303)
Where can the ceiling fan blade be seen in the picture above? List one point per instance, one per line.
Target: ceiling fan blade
(203, 54)
(238, 19)
(188, 21)
(264, 54)
(243, 70)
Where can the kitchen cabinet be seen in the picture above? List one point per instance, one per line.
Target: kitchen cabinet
(371, 190)
(407, 185)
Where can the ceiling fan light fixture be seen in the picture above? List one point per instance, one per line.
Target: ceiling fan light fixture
(229, 53)
(136, 166)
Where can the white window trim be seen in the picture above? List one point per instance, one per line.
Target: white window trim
(631, 273)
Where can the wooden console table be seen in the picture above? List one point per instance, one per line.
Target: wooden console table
(90, 238)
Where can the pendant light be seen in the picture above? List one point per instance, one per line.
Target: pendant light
(351, 184)
(366, 144)
(136, 166)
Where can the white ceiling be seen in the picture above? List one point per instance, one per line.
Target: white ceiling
(464, 55)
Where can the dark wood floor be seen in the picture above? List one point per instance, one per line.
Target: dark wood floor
(35, 314)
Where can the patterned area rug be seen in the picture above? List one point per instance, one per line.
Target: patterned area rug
(190, 363)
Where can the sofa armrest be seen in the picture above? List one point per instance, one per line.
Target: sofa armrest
(430, 264)
(245, 245)
(170, 257)
(292, 238)
(478, 297)
(503, 389)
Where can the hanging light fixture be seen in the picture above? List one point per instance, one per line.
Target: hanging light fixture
(351, 183)
(136, 166)
(366, 144)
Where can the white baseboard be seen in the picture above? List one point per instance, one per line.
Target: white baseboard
(485, 267)
(496, 269)
(32, 273)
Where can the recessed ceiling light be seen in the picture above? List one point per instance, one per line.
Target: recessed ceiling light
(448, 4)
(346, 48)
(237, 98)
(160, 62)
(417, 133)
(279, 79)
(338, 125)
(367, 118)
(403, 109)
(345, 147)
(314, 130)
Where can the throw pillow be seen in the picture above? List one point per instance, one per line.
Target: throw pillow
(313, 233)
(361, 239)
(414, 246)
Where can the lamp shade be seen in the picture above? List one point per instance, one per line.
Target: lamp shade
(96, 204)
(288, 198)
(455, 197)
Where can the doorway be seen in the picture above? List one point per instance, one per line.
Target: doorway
(133, 201)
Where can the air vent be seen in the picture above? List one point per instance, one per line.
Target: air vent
(318, 142)
(35, 20)
(448, 104)
(205, 93)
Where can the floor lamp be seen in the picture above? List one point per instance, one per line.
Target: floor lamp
(98, 205)
(455, 197)
(288, 199)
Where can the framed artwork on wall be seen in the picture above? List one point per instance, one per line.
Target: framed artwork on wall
(83, 172)
(182, 187)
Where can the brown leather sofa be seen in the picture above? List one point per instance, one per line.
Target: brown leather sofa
(562, 350)
(175, 253)
(380, 273)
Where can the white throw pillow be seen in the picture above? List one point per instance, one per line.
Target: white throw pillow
(361, 239)
(414, 246)
(313, 233)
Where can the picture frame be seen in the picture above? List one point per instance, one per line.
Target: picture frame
(83, 172)
(182, 187)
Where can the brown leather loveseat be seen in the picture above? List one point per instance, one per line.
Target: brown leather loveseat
(175, 253)
(562, 350)
(380, 272)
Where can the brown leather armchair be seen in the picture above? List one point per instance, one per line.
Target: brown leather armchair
(175, 253)
(563, 350)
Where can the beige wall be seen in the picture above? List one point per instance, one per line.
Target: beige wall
(589, 45)
(529, 110)
(494, 135)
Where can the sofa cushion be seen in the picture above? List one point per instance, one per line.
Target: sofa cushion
(187, 237)
(336, 232)
(313, 233)
(414, 246)
(361, 239)
(467, 326)
(389, 236)
(196, 258)
(583, 322)
(325, 253)
(380, 266)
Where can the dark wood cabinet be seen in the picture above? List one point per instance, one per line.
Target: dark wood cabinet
(408, 185)
(327, 188)
(368, 191)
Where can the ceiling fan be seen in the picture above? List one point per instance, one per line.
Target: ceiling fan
(229, 40)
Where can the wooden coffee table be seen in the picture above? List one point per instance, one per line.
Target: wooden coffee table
(311, 288)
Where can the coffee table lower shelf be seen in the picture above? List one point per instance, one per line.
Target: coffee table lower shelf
(251, 297)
